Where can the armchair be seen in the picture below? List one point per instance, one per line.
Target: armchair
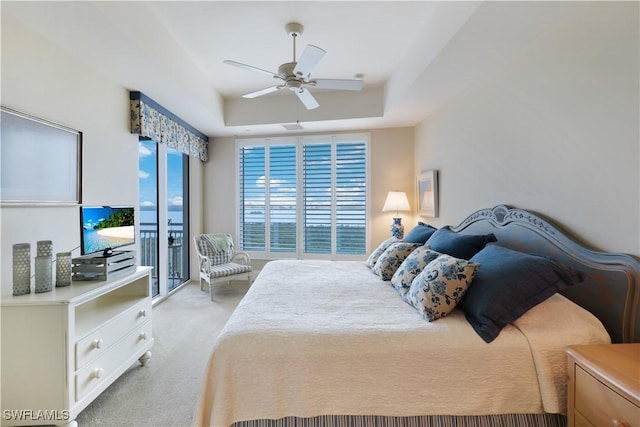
(218, 261)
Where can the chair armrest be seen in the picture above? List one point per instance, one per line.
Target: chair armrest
(204, 264)
(243, 257)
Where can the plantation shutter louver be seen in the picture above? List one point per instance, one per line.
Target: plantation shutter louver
(282, 198)
(317, 198)
(351, 192)
(251, 164)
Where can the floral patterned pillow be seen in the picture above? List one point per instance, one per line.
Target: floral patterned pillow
(392, 258)
(370, 262)
(411, 267)
(439, 287)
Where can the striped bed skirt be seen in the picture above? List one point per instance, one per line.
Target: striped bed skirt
(507, 420)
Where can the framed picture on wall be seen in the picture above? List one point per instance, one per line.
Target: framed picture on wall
(427, 191)
(40, 161)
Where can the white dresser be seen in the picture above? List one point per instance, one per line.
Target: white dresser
(61, 349)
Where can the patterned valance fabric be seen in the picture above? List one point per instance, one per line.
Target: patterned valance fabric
(149, 119)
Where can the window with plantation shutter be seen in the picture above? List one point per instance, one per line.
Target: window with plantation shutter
(351, 198)
(282, 198)
(303, 197)
(251, 165)
(318, 198)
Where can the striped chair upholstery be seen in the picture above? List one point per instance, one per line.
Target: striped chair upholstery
(229, 269)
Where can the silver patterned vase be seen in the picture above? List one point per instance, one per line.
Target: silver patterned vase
(43, 274)
(44, 248)
(63, 269)
(21, 268)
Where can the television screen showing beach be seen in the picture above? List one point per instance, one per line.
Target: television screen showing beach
(107, 227)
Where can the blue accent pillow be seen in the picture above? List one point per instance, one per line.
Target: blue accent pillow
(507, 284)
(420, 233)
(458, 245)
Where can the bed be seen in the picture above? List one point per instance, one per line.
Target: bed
(331, 343)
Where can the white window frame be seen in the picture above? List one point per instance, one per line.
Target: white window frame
(300, 142)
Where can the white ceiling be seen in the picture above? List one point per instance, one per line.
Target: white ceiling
(413, 55)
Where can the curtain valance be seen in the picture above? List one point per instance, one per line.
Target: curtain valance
(149, 119)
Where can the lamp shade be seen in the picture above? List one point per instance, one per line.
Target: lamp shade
(396, 201)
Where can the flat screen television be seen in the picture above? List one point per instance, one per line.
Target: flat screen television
(104, 228)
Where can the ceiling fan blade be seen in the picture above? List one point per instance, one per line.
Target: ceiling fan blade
(261, 92)
(307, 99)
(308, 61)
(338, 84)
(250, 68)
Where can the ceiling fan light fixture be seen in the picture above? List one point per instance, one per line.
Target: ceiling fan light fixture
(294, 85)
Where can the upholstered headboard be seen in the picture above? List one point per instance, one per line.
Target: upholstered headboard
(611, 286)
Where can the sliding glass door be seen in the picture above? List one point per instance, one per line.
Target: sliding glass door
(149, 229)
(164, 215)
(178, 218)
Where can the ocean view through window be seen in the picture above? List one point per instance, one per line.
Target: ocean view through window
(164, 215)
(303, 197)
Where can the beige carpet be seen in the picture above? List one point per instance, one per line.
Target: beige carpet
(164, 392)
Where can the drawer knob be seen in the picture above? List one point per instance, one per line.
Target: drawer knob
(619, 423)
(143, 335)
(97, 343)
(97, 373)
(143, 313)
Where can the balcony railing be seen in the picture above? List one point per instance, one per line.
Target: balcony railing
(350, 239)
(149, 254)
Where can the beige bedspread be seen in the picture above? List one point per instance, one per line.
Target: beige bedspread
(324, 337)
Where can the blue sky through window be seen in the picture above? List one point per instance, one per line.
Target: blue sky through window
(148, 177)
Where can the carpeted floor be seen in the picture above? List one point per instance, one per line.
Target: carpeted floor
(164, 392)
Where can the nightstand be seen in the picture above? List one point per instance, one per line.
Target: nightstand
(604, 385)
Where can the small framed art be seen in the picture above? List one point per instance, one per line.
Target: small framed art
(427, 191)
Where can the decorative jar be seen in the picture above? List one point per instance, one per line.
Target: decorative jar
(43, 274)
(21, 268)
(45, 248)
(63, 269)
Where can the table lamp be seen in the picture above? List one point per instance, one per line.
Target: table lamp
(396, 201)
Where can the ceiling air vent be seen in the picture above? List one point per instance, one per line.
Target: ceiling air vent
(293, 126)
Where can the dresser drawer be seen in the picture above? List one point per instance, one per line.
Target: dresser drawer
(581, 421)
(600, 405)
(99, 370)
(96, 343)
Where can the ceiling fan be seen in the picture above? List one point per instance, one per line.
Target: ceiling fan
(296, 75)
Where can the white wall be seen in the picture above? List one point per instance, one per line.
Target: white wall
(47, 82)
(391, 169)
(556, 132)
